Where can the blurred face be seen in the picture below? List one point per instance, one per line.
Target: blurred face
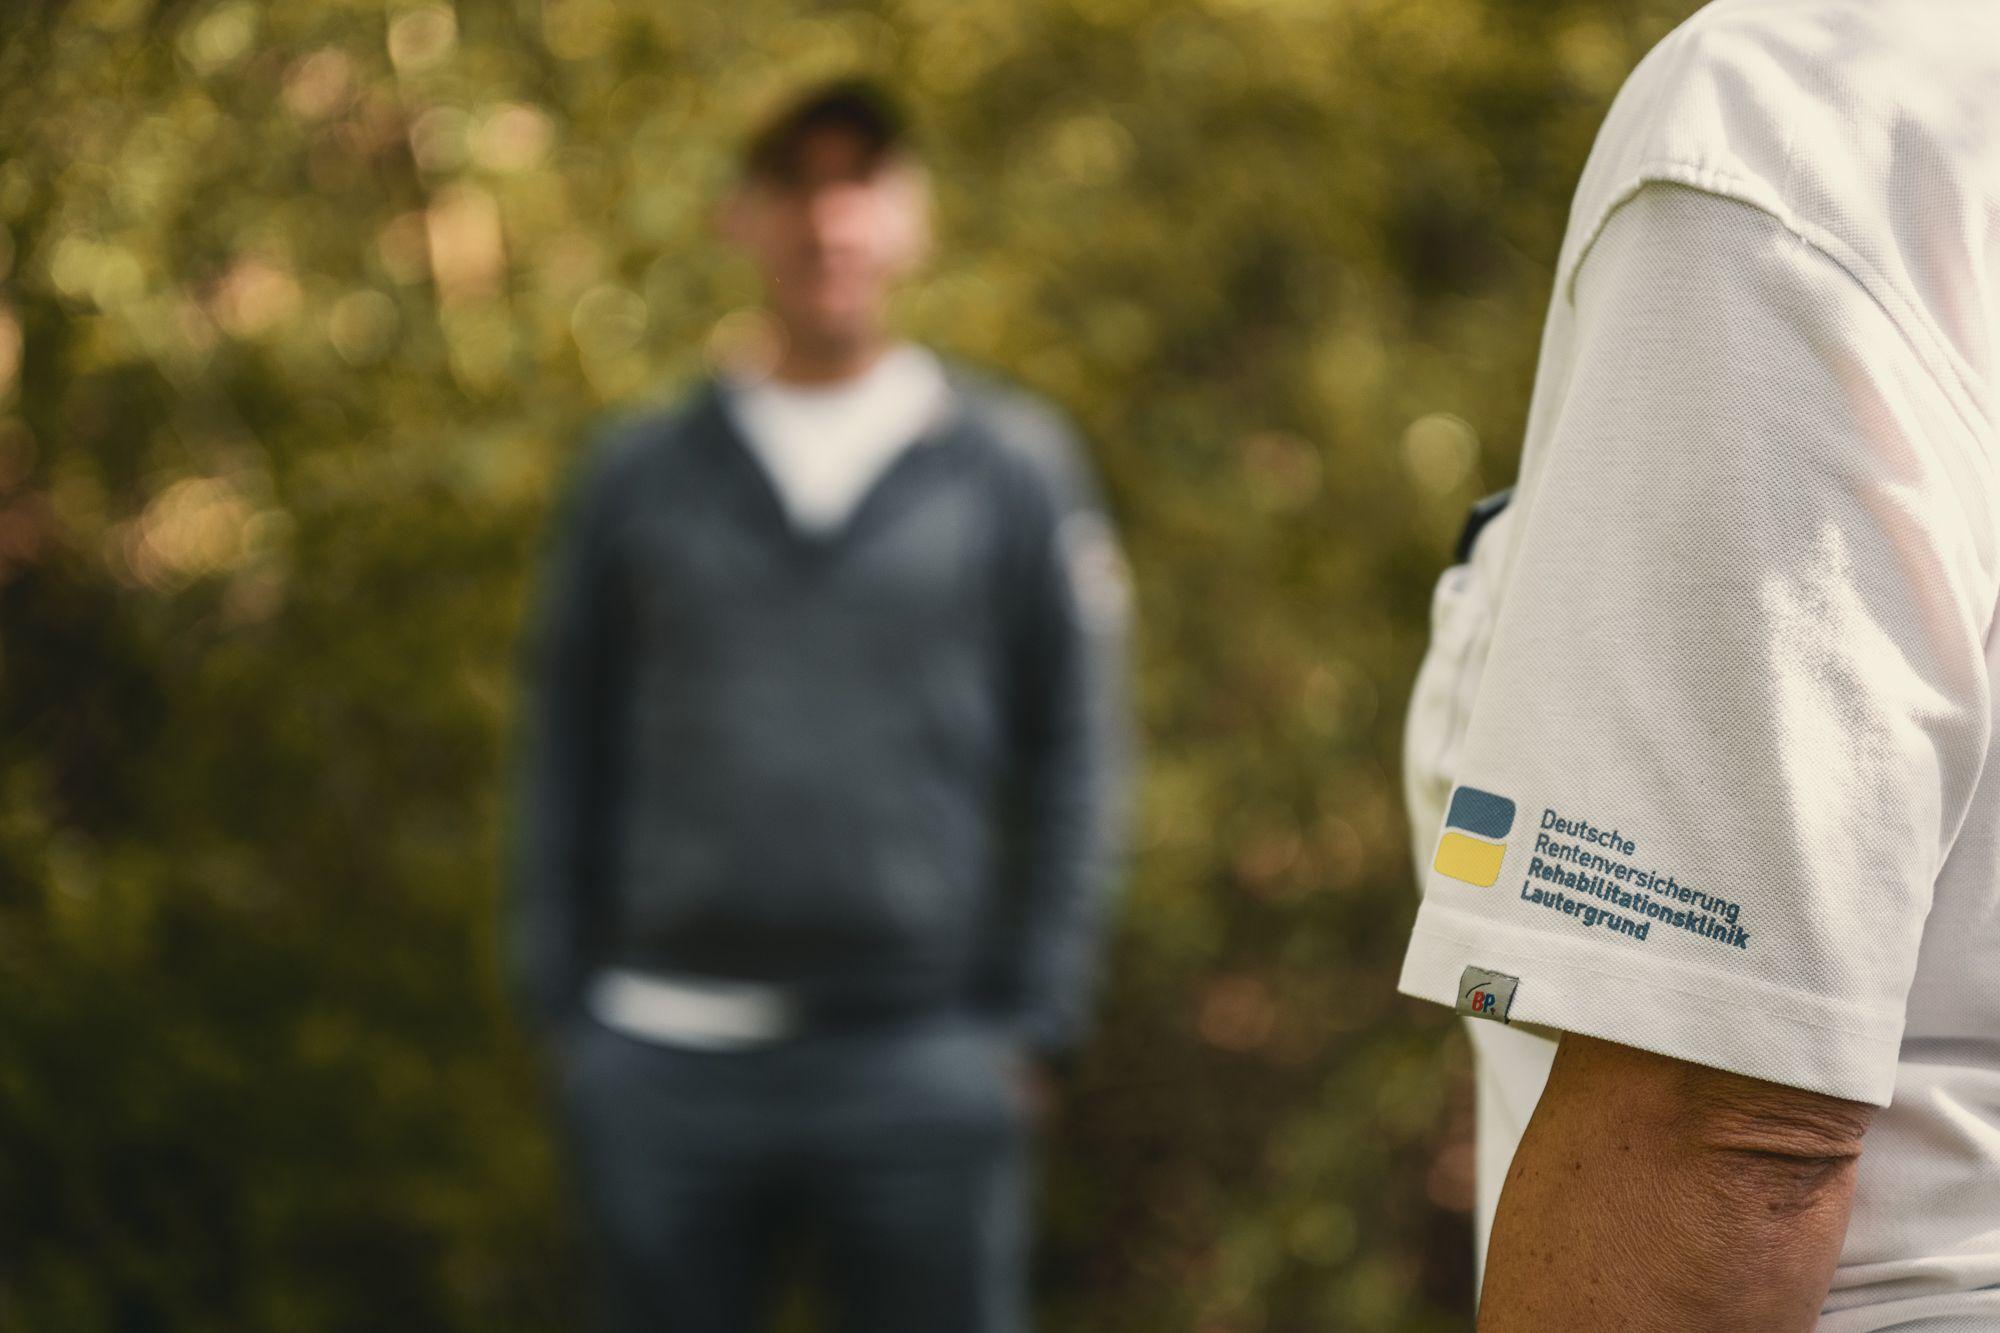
(831, 239)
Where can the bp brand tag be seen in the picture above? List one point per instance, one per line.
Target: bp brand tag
(1483, 993)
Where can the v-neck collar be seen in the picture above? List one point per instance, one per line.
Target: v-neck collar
(713, 412)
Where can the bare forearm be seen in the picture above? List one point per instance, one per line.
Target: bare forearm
(1648, 1194)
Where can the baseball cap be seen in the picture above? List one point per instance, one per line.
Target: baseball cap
(855, 106)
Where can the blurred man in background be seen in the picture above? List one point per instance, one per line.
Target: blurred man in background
(1703, 756)
(824, 780)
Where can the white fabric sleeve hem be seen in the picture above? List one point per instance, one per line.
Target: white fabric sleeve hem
(1693, 1014)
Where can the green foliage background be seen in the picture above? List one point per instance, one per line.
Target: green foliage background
(305, 307)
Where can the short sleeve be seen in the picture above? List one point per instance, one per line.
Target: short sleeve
(1736, 698)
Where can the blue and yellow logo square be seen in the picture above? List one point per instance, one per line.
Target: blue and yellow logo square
(1475, 832)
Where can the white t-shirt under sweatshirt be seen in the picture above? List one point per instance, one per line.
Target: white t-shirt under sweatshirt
(824, 445)
(1703, 757)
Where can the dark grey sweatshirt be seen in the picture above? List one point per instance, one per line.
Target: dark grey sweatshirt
(886, 766)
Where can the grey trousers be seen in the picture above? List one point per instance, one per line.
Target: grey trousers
(897, 1156)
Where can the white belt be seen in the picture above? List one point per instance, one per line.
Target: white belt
(692, 1011)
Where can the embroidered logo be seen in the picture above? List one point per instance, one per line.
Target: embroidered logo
(1486, 994)
(1097, 571)
(1475, 830)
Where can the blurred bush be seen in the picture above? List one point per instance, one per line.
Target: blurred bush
(304, 309)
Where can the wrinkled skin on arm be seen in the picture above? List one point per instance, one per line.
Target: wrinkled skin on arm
(1653, 1194)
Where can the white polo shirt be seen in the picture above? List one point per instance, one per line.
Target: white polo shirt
(1701, 757)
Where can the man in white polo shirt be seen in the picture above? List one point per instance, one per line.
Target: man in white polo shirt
(1700, 763)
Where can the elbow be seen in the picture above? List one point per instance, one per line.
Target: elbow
(1776, 1151)
(1791, 1151)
